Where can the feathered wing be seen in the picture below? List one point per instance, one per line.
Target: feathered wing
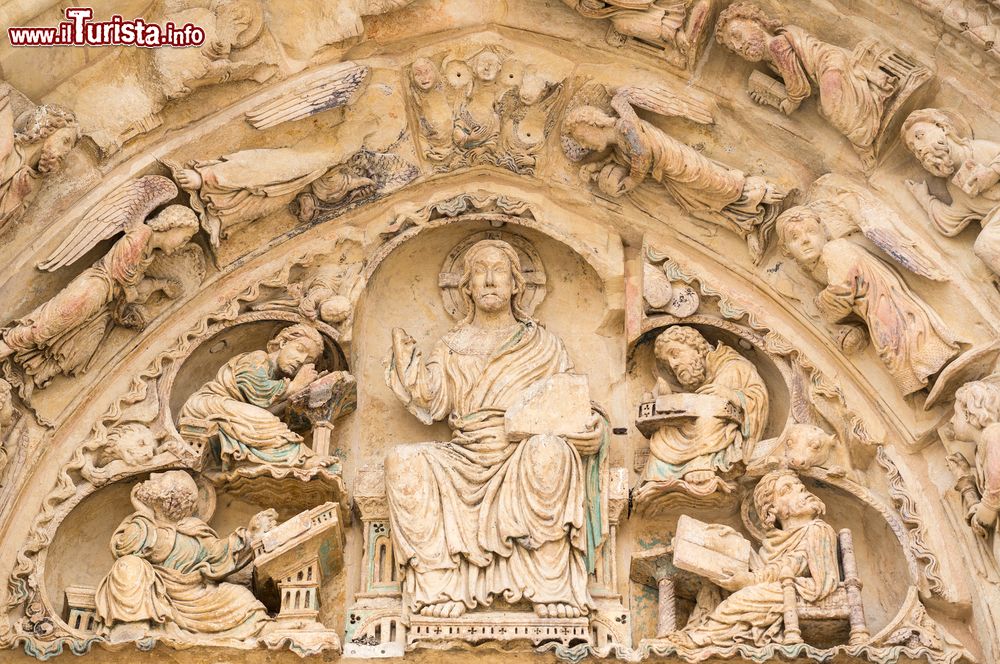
(668, 102)
(337, 87)
(126, 206)
(882, 225)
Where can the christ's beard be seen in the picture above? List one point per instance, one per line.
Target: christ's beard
(48, 162)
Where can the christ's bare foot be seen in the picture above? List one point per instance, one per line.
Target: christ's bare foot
(557, 610)
(446, 609)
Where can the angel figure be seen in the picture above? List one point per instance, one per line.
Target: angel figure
(244, 186)
(33, 145)
(631, 149)
(676, 26)
(62, 335)
(524, 111)
(857, 89)
(477, 123)
(861, 288)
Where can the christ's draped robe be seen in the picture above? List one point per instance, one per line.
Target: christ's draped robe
(18, 181)
(909, 338)
(237, 400)
(482, 516)
(708, 442)
(754, 614)
(169, 574)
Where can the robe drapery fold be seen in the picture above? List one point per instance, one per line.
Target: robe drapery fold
(754, 614)
(237, 400)
(708, 442)
(481, 516)
(167, 575)
(909, 338)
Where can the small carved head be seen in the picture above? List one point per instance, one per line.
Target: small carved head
(977, 406)
(802, 235)
(132, 443)
(590, 127)
(492, 280)
(171, 496)
(780, 494)
(685, 351)
(486, 65)
(929, 134)
(807, 446)
(424, 73)
(295, 346)
(743, 27)
(173, 227)
(238, 23)
(55, 127)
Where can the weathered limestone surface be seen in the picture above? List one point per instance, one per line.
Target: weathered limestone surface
(548, 330)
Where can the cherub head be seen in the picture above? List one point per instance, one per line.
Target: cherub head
(685, 351)
(55, 128)
(977, 406)
(486, 65)
(171, 496)
(173, 228)
(781, 496)
(424, 73)
(807, 446)
(294, 347)
(802, 235)
(590, 127)
(743, 27)
(492, 280)
(934, 137)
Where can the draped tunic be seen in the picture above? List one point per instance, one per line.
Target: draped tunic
(810, 551)
(237, 400)
(61, 335)
(482, 515)
(708, 442)
(908, 336)
(168, 574)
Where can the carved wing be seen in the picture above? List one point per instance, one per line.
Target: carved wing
(335, 88)
(882, 225)
(126, 206)
(668, 102)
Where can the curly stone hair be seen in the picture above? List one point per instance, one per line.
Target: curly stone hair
(744, 11)
(174, 216)
(300, 331)
(796, 215)
(174, 494)
(682, 334)
(764, 498)
(43, 121)
(954, 126)
(981, 402)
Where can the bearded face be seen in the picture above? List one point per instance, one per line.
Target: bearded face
(55, 148)
(686, 362)
(930, 145)
(791, 499)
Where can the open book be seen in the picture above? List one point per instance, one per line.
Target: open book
(710, 550)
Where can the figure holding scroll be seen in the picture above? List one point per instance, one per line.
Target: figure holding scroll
(491, 513)
(717, 420)
(798, 545)
(236, 401)
(169, 568)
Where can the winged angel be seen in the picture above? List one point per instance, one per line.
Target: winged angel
(862, 290)
(62, 335)
(629, 150)
(244, 186)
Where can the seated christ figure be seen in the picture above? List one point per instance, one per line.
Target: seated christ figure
(484, 516)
